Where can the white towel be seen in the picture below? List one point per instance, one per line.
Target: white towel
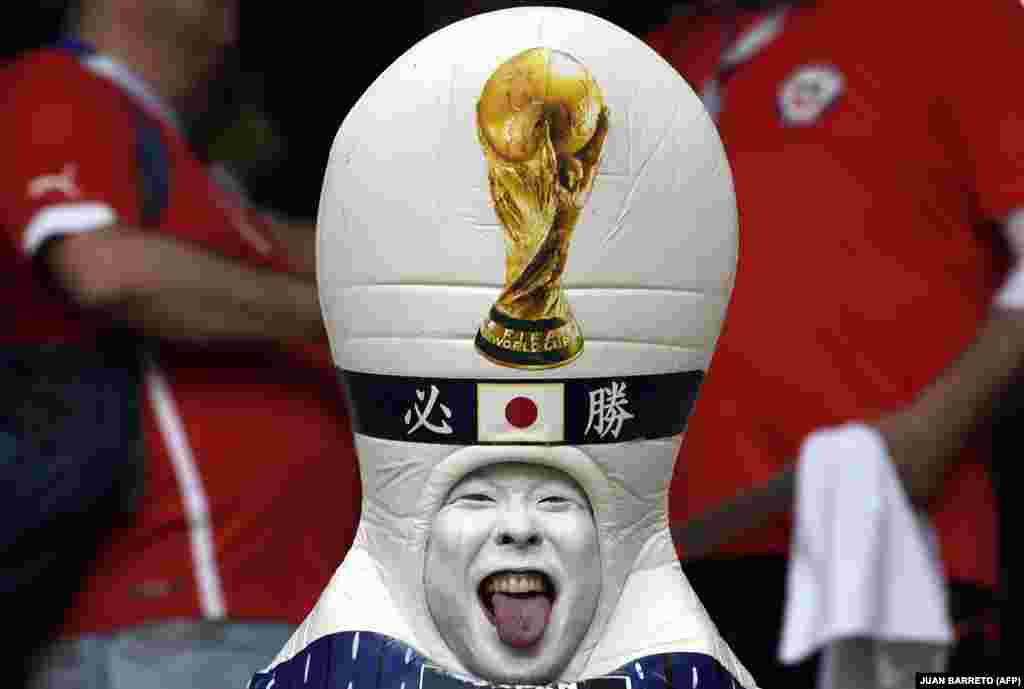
(865, 582)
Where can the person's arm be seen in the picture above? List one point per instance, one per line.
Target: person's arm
(924, 438)
(298, 238)
(176, 290)
(700, 536)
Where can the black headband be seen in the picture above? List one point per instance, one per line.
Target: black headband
(577, 411)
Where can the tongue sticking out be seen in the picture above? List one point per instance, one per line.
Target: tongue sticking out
(521, 619)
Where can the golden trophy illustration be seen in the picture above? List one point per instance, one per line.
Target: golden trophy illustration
(541, 120)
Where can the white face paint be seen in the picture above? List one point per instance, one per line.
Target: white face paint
(513, 571)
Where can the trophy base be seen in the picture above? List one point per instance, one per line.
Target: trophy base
(545, 343)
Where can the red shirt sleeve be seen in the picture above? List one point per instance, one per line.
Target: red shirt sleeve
(69, 161)
(977, 48)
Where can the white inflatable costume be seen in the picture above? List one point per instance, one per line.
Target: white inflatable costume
(527, 242)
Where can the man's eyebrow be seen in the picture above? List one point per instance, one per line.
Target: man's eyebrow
(473, 482)
(540, 484)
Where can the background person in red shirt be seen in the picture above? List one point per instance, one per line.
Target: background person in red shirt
(877, 155)
(109, 218)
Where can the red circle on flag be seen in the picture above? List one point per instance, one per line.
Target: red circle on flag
(521, 412)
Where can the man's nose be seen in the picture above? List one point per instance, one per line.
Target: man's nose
(516, 527)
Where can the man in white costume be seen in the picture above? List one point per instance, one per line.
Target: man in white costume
(527, 242)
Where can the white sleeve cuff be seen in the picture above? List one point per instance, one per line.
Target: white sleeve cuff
(65, 218)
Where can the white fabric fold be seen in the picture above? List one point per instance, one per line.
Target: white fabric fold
(1011, 294)
(865, 582)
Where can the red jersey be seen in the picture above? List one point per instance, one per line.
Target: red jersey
(873, 154)
(243, 443)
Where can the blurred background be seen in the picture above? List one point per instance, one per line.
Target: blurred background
(299, 68)
(298, 71)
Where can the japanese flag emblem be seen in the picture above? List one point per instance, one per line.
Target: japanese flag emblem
(521, 412)
(808, 93)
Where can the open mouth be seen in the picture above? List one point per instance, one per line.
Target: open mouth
(518, 604)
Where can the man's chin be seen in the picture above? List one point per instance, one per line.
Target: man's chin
(496, 661)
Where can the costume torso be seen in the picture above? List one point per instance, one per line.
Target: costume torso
(373, 661)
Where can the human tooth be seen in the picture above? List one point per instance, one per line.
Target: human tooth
(516, 583)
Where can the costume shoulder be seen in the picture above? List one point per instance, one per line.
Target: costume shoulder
(367, 660)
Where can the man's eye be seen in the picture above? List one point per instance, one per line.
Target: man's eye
(475, 497)
(555, 501)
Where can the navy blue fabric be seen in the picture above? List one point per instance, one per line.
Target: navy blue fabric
(75, 46)
(70, 426)
(154, 166)
(367, 660)
(659, 406)
(70, 467)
